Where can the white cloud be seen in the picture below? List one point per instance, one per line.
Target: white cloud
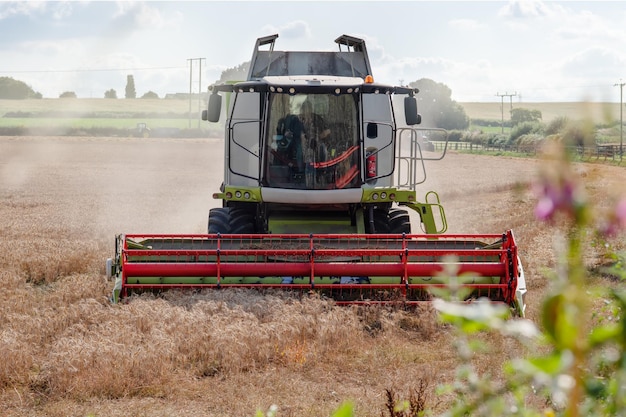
(466, 24)
(62, 10)
(297, 29)
(595, 63)
(542, 49)
(24, 8)
(521, 9)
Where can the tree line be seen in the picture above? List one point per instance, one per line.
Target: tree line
(13, 89)
(434, 99)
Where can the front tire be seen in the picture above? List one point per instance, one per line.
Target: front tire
(231, 220)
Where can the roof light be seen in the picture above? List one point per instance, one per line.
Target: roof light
(337, 91)
(369, 79)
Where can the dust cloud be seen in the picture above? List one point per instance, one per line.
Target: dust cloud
(101, 187)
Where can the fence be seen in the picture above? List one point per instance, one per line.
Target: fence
(598, 152)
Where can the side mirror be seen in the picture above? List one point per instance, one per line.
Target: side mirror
(410, 111)
(215, 108)
(372, 130)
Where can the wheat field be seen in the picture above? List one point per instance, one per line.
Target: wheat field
(67, 351)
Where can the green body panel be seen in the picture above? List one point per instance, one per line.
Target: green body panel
(307, 223)
(316, 223)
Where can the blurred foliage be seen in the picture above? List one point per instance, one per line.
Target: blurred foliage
(575, 361)
(521, 115)
(437, 107)
(15, 90)
(130, 91)
(110, 93)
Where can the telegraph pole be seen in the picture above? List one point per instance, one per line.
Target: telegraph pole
(621, 116)
(510, 96)
(200, 88)
(190, 60)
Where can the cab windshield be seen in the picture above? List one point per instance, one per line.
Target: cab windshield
(312, 142)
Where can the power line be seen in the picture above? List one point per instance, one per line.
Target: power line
(89, 70)
(502, 105)
(191, 60)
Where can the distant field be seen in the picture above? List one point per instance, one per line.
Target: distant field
(97, 105)
(598, 112)
(101, 113)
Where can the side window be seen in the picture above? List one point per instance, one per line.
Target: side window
(378, 126)
(243, 150)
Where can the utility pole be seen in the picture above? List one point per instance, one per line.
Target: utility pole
(510, 96)
(200, 88)
(621, 116)
(190, 60)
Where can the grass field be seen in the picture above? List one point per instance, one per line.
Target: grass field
(598, 112)
(87, 105)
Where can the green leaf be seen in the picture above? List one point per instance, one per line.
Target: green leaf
(603, 334)
(345, 410)
(551, 364)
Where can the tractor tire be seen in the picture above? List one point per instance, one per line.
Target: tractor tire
(242, 221)
(219, 220)
(399, 221)
(394, 221)
(231, 220)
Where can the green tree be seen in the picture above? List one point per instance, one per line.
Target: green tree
(16, 90)
(437, 107)
(150, 94)
(130, 87)
(110, 94)
(67, 94)
(520, 115)
(238, 73)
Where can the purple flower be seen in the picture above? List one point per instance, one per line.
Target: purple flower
(557, 196)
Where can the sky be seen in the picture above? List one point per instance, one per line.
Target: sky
(484, 51)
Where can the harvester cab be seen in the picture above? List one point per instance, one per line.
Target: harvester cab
(319, 179)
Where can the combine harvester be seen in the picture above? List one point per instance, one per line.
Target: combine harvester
(319, 178)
